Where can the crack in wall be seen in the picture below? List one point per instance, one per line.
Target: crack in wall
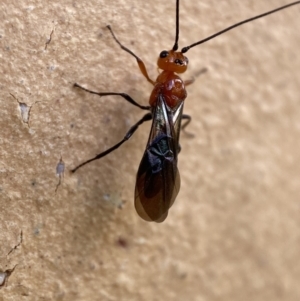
(5, 275)
(25, 110)
(60, 169)
(18, 244)
(50, 38)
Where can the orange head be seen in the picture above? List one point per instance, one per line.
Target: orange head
(173, 61)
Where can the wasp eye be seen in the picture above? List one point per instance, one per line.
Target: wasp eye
(186, 59)
(163, 54)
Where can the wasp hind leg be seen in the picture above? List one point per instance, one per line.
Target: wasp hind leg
(131, 131)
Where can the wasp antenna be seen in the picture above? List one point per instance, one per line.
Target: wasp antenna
(175, 47)
(185, 49)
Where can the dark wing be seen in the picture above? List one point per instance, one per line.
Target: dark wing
(158, 179)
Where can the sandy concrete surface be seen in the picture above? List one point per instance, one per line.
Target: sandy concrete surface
(234, 230)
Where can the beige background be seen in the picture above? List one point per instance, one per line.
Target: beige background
(234, 231)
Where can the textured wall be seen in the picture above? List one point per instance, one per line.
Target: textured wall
(234, 231)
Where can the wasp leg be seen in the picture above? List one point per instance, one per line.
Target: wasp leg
(201, 71)
(189, 81)
(124, 95)
(131, 131)
(188, 120)
(192, 80)
(139, 61)
(186, 123)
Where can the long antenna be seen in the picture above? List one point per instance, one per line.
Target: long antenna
(175, 47)
(185, 49)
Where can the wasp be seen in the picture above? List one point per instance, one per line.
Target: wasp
(158, 180)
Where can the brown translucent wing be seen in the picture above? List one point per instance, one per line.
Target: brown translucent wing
(158, 179)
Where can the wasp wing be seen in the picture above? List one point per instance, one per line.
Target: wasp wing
(158, 179)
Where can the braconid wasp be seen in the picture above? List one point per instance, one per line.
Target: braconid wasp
(158, 179)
